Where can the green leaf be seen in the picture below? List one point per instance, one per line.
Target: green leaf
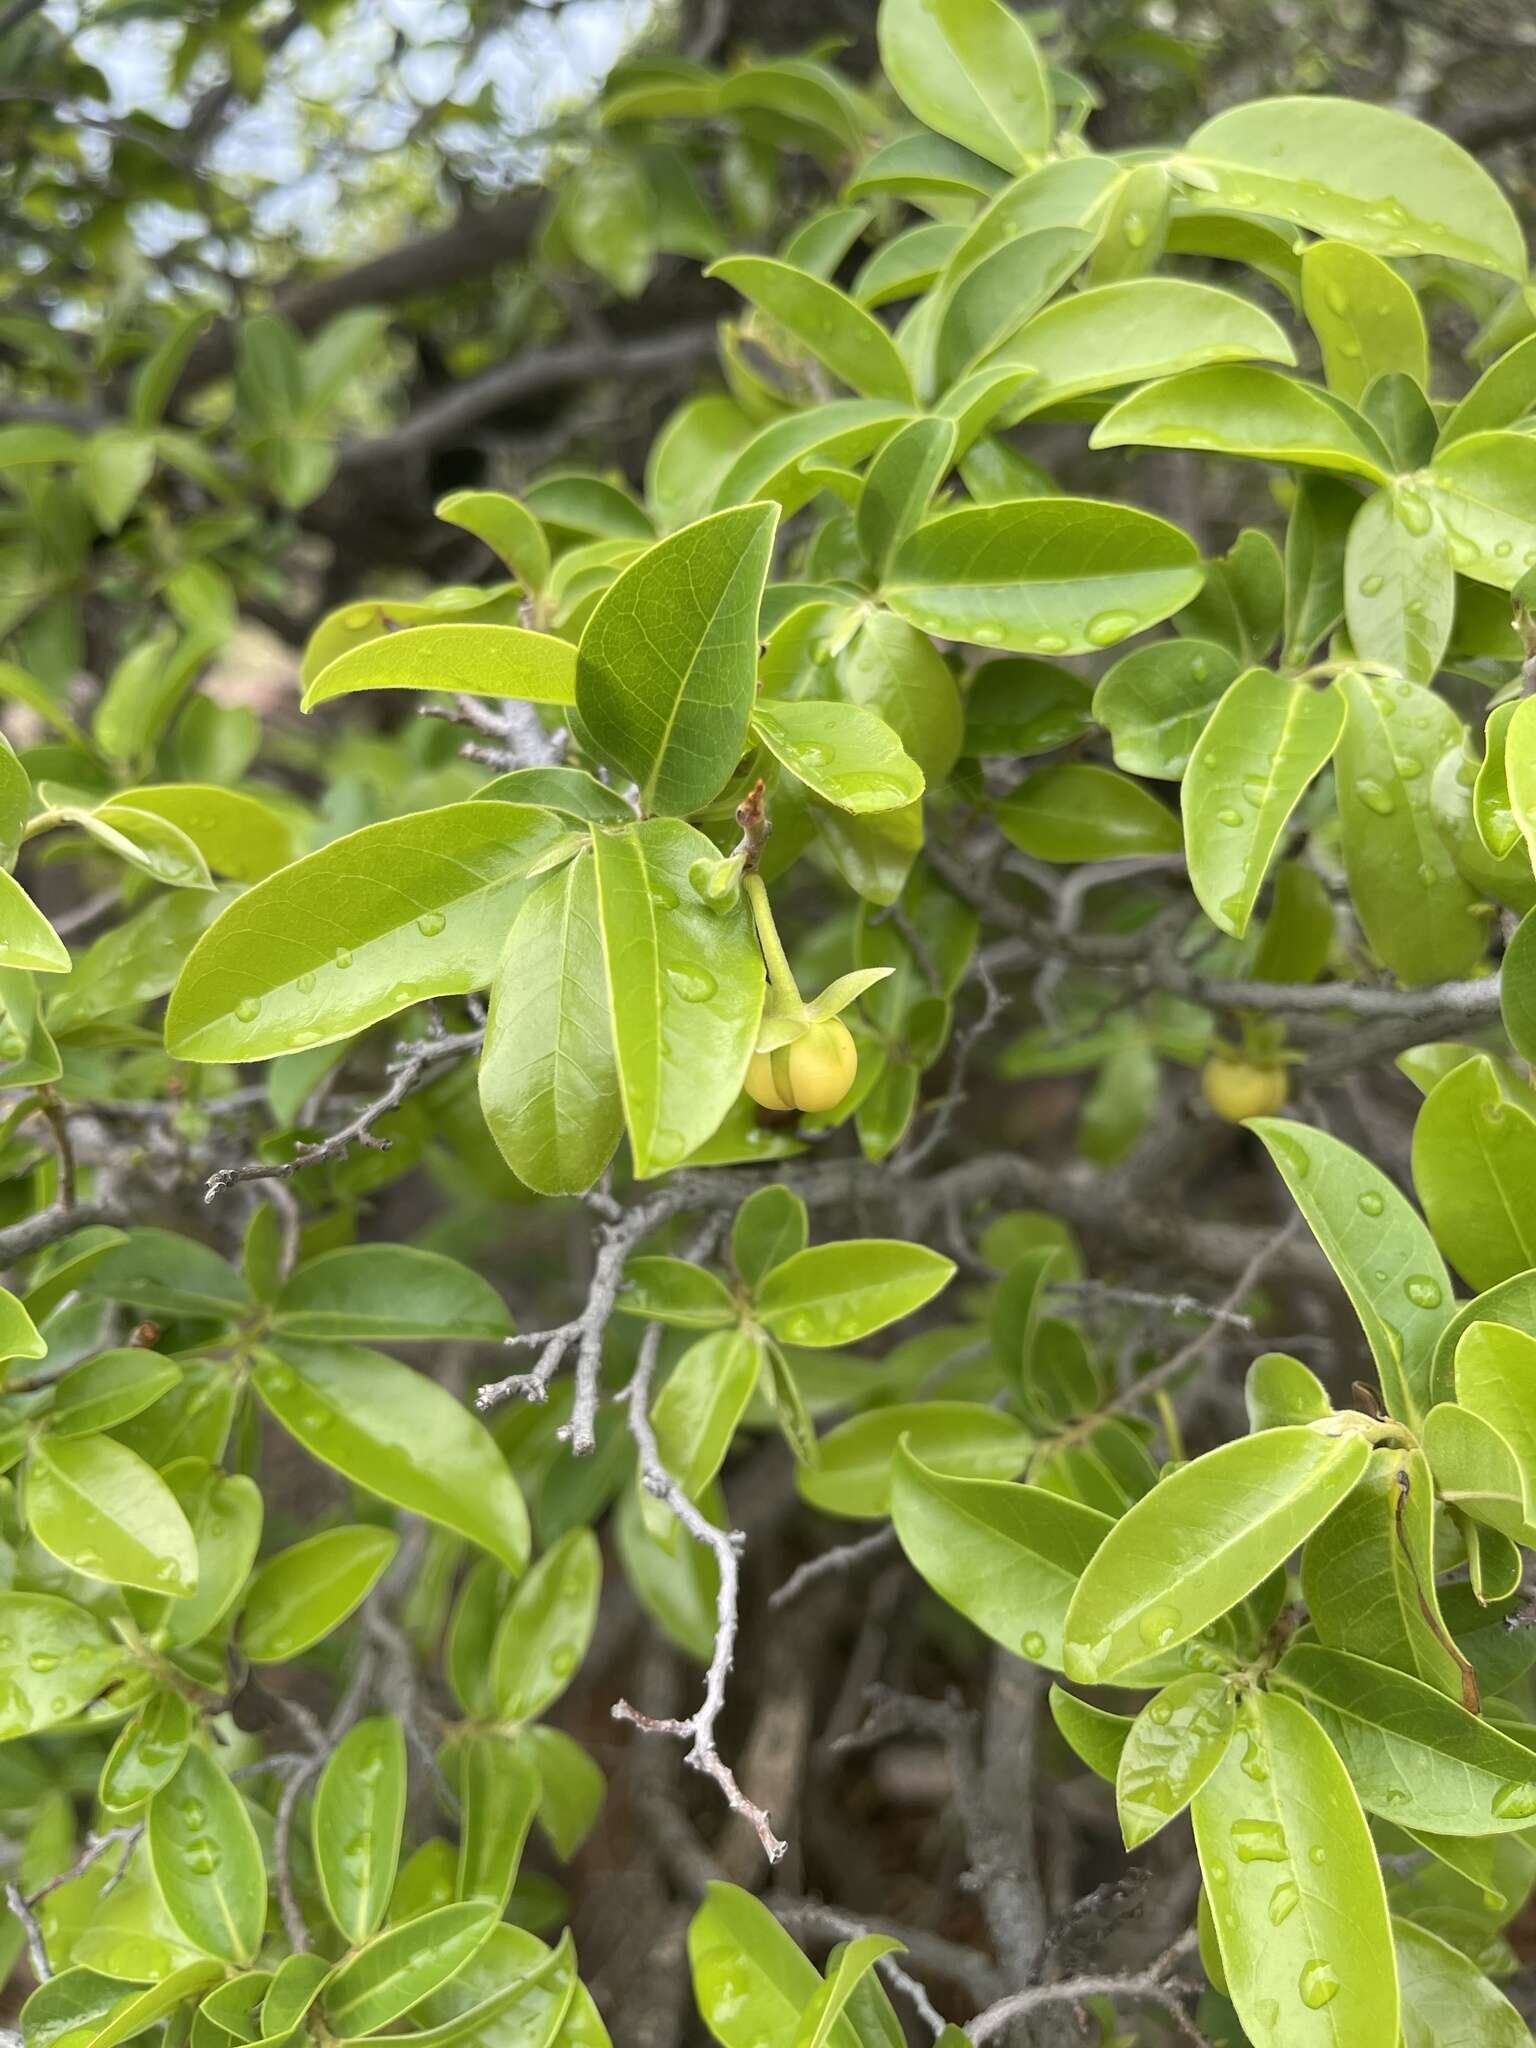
(1170, 1749)
(1007, 1557)
(690, 455)
(1475, 1470)
(994, 296)
(499, 1790)
(207, 1861)
(697, 1411)
(848, 1968)
(369, 1416)
(1416, 1757)
(1494, 1368)
(572, 791)
(1042, 575)
(770, 1226)
(1416, 911)
(896, 672)
(1297, 1901)
(27, 939)
(837, 331)
(1501, 397)
(163, 1274)
(1019, 706)
(1261, 748)
(545, 1631)
(101, 1510)
(302, 1593)
(224, 1513)
(1248, 412)
(477, 660)
(1369, 175)
(117, 464)
(750, 1982)
(1148, 327)
(1484, 492)
(1092, 1733)
(1242, 599)
(1154, 703)
(1366, 319)
(675, 1580)
(507, 528)
(1315, 543)
(1369, 1576)
(838, 1293)
(1399, 584)
(968, 69)
(676, 1291)
(355, 1825)
(1077, 811)
(1204, 1537)
(549, 1085)
(779, 460)
(514, 1993)
(1380, 1250)
(56, 1658)
(685, 989)
(668, 660)
(1447, 2001)
(1493, 811)
(1474, 1169)
(19, 1335)
(854, 1472)
(147, 1753)
(901, 480)
(847, 755)
(402, 1966)
(390, 1292)
(236, 833)
(1280, 1389)
(415, 907)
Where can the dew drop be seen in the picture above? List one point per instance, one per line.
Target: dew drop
(1259, 1841)
(305, 984)
(1229, 815)
(1516, 1801)
(1375, 798)
(563, 1662)
(430, 923)
(248, 1009)
(342, 960)
(1369, 585)
(1422, 1291)
(1159, 1625)
(1050, 643)
(1283, 1901)
(1199, 669)
(1371, 1203)
(1317, 1983)
(1108, 627)
(1317, 1854)
(1503, 549)
(663, 895)
(43, 1661)
(402, 993)
(1033, 1645)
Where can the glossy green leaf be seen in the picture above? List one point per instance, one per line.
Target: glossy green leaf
(1077, 811)
(1091, 1733)
(545, 1631)
(355, 1824)
(224, 1513)
(1154, 703)
(769, 1227)
(697, 1411)
(415, 907)
(100, 1509)
(1203, 1538)
(837, 1293)
(778, 463)
(1280, 1390)
(1366, 319)
(299, 1595)
(1170, 1749)
(19, 1336)
(847, 755)
(1476, 1472)
(1316, 538)
(1007, 1557)
(1474, 1169)
(207, 1860)
(402, 1966)
(1296, 1894)
(901, 480)
(1416, 1757)
(390, 1292)
(571, 1788)
(1496, 1382)
(1368, 1576)
(667, 662)
(855, 1467)
(507, 528)
(676, 1291)
(1043, 575)
(107, 1389)
(548, 1079)
(499, 1791)
(1486, 497)
(56, 1658)
(1250, 412)
(750, 1982)
(1141, 328)
(893, 670)
(475, 660)
(1447, 2001)
(968, 69)
(1399, 584)
(1017, 706)
(148, 1752)
(368, 1417)
(514, 1993)
(994, 296)
(236, 833)
(685, 989)
(1368, 174)
(1260, 749)
(27, 939)
(837, 331)
(1503, 396)
(1380, 1250)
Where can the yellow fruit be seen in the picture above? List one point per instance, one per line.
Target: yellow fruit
(1237, 1089)
(815, 1072)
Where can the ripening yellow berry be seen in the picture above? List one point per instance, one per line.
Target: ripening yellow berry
(815, 1072)
(1237, 1089)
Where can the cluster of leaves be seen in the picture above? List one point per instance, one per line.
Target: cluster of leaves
(833, 637)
